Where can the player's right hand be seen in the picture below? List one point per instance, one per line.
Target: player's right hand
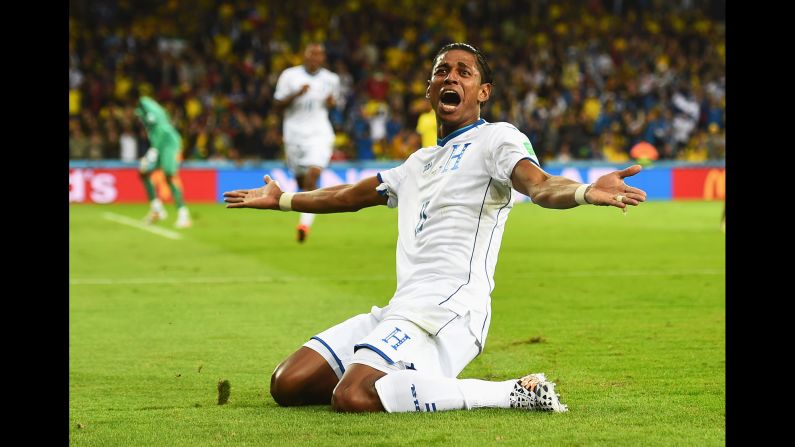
(263, 198)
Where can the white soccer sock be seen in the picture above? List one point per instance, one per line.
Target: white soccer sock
(406, 391)
(183, 212)
(307, 219)
(482, 393)
(157, 204)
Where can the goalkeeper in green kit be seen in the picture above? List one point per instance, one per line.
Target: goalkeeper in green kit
(164, 146)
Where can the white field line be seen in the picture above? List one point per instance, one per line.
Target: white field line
(118, 218)
(274, 279)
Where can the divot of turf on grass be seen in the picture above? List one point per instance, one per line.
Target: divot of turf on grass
(224, 389)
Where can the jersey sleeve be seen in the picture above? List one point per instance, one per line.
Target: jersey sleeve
(282, 87)
(391, 180)
(507, 147)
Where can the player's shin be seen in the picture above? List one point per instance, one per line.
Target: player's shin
(306, 219)
(405, 391)
(149, 187)
(176, 192)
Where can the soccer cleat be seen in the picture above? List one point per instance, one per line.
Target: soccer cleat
(303, 232)
(183, 219)
(155, 216)
(183, 223)
(534, 392)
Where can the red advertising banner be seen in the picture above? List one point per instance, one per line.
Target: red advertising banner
(699, 183)
(124, 185)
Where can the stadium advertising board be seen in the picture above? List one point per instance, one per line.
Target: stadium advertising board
(237, 179)
(123, 185)
(656, 182)
(699, 183)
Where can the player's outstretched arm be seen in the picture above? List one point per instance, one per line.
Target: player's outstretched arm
(550, 191)
(333, 199)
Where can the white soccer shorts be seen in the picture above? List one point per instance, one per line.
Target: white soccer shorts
(307, 153)
(396, 344)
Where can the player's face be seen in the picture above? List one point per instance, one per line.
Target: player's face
(314, 57)
(455, 90)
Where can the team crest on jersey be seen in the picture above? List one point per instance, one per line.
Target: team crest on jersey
(455, 157)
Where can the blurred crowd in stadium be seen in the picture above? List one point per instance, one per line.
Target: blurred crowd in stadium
(585, 80)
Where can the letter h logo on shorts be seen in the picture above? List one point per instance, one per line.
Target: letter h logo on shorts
(394, 338)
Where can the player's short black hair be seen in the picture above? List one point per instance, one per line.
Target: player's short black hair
(315, 43)
(483, 66)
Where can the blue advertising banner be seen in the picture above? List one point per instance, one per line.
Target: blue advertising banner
(659, 180)
(655, 181)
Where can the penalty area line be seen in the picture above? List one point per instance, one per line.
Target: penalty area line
(124, 220)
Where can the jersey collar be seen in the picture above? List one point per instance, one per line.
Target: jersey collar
(311, 74)
(443, 141)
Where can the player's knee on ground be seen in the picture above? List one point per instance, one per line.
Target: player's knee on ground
(287, 385)
(355, 398)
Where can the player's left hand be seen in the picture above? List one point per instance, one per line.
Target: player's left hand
(264, 198)
(610, 189)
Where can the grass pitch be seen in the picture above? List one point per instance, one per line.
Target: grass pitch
(625, 313)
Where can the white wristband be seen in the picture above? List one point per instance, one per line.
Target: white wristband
(286, 201)
(579, 194)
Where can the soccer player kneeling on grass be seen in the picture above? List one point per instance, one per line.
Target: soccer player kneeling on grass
(453, 200)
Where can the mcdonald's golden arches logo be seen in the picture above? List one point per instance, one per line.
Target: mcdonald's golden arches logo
(715, 185)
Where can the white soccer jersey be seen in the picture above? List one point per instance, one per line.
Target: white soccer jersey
(453, 200)
(307, 116)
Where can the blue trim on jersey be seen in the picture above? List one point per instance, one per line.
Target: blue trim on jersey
(474, 243)
(382, 192)
(374, 349)
(496, 223)
(339, 362)
(443, 141)
(482, 328)
(445, 325)
(531, 161)
(486, 264)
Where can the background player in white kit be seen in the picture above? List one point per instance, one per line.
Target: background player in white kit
(305, 93)
(453, 200)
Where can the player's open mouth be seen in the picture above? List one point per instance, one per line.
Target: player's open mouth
(449, 100)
